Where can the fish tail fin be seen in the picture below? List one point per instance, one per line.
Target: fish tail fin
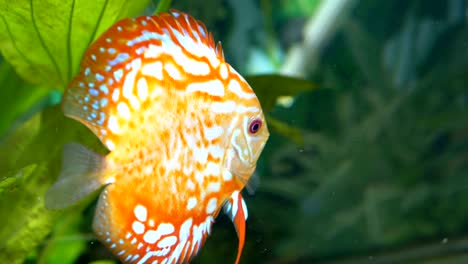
(80, 176)
(236, 209)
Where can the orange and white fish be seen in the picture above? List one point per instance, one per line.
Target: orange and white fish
(184, 131)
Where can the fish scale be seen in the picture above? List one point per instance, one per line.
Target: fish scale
(178, 121)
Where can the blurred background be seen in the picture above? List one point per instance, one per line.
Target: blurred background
(370, 165)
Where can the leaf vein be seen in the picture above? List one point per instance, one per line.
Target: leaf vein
(41, 40)
(101, 15)
(10, 34)
(120, 13)
(69, 48)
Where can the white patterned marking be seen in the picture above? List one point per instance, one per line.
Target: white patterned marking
(192, 66)
(151, 236)
(116, 95)
(142, 89)
(199, 232)
(113, 125)
(213, 132)
(235, 204)
(167, 242)
(138, 227)
(145, 257)
(153, 51)
(199, 177)
(163, 252)
(213, 187)
(202, 156)
(215, 151)
(244, 208)
(140, 213)
(118, 75)
(184, 235)
(227, 175)
(212, 205)
(128, 84)
(211, 169)
(123, 110)
(172, 71)
(136, 64)
(134, 103)
(156, 91)
(110, 144)
(184, 232)
(196, 48)
(192, 202)
(153, 69)
(190, 185)
(189, 65)
(213, 87)
(223, 71)
(230, 107)
(148, 169)
(235, 87)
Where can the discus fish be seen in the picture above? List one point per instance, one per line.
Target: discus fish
(184, 131)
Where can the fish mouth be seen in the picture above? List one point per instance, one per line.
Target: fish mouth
(246, 171)
(244, 174)
(247, 165)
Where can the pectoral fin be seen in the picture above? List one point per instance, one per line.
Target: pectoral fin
(236, 209)
(80, 176)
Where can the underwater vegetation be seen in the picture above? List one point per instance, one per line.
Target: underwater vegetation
(366, 103)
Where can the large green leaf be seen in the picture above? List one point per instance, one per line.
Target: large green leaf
(18, 97)
(293, 133)
(45, 40)
(29, 163)
(270, 87)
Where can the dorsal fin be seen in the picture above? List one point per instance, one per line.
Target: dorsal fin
(112, 83)
(193, 29)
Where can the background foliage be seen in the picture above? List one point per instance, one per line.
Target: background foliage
(371, 166)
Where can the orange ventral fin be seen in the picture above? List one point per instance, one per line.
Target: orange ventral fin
(236, 209)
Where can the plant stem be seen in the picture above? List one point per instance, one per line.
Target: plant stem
(319, 28)
(163, 6)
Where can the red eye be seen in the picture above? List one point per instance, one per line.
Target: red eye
(255, 126)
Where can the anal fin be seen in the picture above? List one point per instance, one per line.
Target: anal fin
(80, 176)
(236, 209)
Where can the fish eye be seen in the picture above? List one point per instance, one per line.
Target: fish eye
(255, 126)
